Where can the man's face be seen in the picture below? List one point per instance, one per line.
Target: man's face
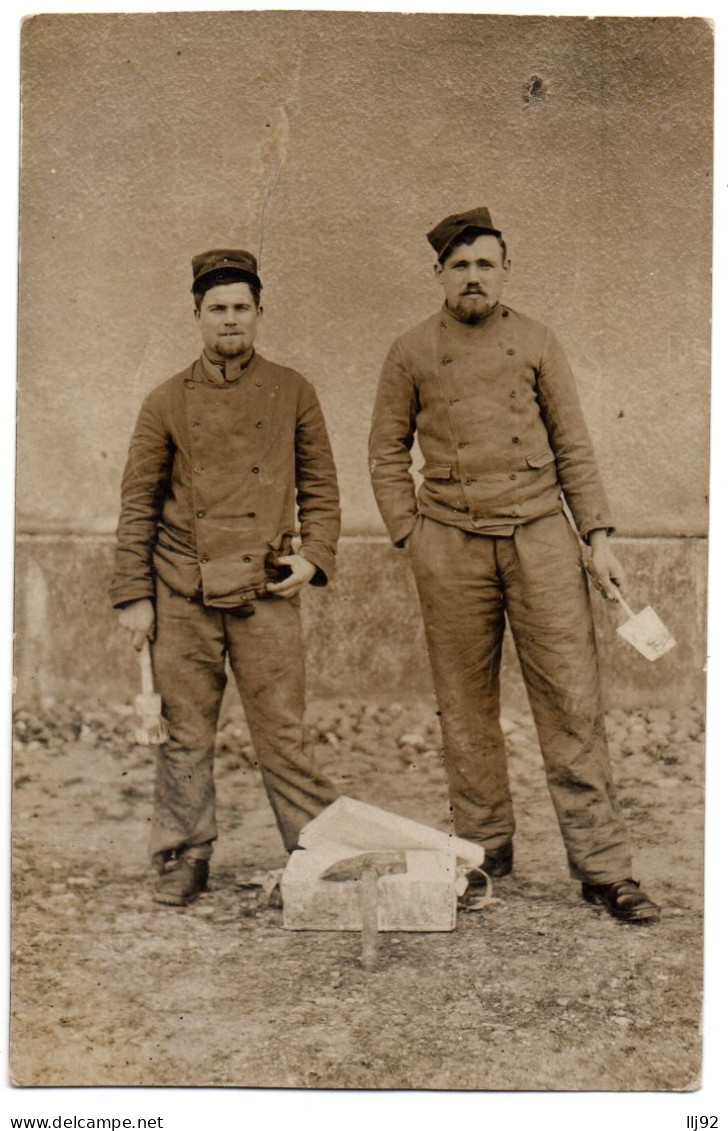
(473, 277)
(228, 319)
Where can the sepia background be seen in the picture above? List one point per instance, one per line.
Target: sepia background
(148, 138)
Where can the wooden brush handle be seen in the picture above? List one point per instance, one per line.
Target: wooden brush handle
(145, 665)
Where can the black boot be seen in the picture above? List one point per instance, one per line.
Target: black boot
(623, 900)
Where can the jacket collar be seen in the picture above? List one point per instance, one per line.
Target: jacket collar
(225, 372)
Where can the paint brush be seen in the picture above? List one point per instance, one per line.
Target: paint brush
(152, 729)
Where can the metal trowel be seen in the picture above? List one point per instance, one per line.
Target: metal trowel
(645, 631)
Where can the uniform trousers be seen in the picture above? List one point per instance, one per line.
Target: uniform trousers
(468, 584)
(265, 652)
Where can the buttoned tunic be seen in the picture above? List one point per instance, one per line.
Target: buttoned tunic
(497, 417)
(216, 469)
(219, 464)
(496, 413)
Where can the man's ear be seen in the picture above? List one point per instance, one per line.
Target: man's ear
(197, 314)
(260, 312)
(507, 270)
(438, 269)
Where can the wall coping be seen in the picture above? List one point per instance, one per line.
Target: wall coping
(44, 534)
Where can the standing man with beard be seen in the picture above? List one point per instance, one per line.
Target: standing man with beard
(223, 457)
(493, 402)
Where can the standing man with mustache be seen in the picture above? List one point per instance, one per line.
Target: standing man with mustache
(224, 457)
(493, 402)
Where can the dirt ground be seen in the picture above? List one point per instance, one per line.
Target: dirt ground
(536, 991)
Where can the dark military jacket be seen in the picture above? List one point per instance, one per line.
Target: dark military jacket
(217, 472)
(497, 417)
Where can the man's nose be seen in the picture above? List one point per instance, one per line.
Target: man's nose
(473, 276)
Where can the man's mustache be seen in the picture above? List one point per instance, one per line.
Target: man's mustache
(473, 289)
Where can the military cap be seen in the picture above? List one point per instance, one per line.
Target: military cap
(444, 234)
(227, 264)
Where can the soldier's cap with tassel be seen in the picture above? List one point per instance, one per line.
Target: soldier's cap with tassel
(226, 266)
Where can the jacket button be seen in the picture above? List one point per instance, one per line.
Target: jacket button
(190, 384)
(445, 360)
(463, 443)
(505, 313)
(513, 475)
(515, 440)
(204, 559)
(197, 470)
(201, 513)
(256, 470)
(259, 424)
(510, 352)
(454, 400)
(247, 560)
(469, 481)
(259, 383)
(251, 514)
(512, 393)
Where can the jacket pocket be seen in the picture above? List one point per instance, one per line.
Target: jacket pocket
(541, 459)
(436, 471)
(282, 542)
(280, 547)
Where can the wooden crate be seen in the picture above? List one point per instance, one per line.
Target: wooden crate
(421, 899)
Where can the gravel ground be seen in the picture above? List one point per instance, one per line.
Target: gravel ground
(536, 991)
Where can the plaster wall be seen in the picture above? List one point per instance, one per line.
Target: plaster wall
(150, 137)
(329, 143)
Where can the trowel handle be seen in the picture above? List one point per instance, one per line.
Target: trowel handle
(145, 666)
(623, 603)
(369, 918)
(587, 559)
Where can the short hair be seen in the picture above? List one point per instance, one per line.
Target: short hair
(468, 237)
(223, 279)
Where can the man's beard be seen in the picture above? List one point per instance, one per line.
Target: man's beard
(229, 348)
(470, 314)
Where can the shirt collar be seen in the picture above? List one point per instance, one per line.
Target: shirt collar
(225, 372)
